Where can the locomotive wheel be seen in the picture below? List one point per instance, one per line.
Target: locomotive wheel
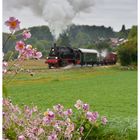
(64, 63)
(49, 66)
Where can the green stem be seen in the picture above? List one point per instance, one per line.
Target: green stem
(81, 124)
(13, 64)
(9, 38)
(88, 133)
(8, 81)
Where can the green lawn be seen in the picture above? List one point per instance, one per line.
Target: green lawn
(110, 91)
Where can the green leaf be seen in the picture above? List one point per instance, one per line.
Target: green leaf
(87, 126)
(5, 93)
(13, 37)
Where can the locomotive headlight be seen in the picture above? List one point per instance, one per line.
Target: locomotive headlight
(56, 57)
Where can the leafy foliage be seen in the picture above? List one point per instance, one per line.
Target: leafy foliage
(102, 46)
(128, 51)
(76, 36)
(123, 33)
(64, 40)
(57, 123)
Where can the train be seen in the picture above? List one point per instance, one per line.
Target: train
(60, 56)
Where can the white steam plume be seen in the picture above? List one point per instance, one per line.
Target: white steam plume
(58, 13)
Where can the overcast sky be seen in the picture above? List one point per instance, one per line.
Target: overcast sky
(112, 13)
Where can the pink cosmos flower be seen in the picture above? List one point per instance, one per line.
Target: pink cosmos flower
(49, 114)
(28, 111)
(104, 120)
(5, 65)
(69, 130)
(29, 46)
(92, 116)
(68, 112)
(81, 129)
(57, 127)
(96, 115)
(36, 54)
(26, 34)
(58, 107)
(28, 51)
(3, 113)
(6, 102)
(85, 107)
(21, 137)
(46, 121)
(30, 135)
(34, 130)
(52, 137)
(89, 115)
(13, 24)
(40, 131)
(20, 46)
(35, 109)
(79, 104)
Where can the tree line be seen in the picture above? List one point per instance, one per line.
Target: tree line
(76, 36)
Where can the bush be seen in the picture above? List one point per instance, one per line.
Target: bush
(56, 124)
(128, 54)
(128, 51)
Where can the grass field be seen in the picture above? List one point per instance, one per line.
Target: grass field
(109, 90)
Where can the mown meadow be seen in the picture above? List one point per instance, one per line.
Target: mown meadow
(107, 89)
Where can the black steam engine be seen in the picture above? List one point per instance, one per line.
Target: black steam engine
(63, 56)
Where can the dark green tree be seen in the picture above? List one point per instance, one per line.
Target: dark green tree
(103, 45)
(123, 33)
(127, 52)
(133, 33)
(64, 40)
(123, 28)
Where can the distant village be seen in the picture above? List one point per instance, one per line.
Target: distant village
(116, 41)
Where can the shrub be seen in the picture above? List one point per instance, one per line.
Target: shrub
(56, 124)
(127, 54)
(128, 51)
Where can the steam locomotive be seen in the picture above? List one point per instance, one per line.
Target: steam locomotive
(62, 56)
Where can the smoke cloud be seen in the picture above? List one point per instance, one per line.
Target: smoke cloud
(58, 13)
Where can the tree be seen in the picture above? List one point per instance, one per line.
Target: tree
(123, 33)
(81, 40)
(127, 52)
(101, 46)
(133, 34)
(123, 28)
(64, 40)
(91, 46)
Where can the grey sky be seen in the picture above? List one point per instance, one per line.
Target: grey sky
(112, 13)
